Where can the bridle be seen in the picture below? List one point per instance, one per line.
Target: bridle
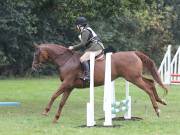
(39, 64)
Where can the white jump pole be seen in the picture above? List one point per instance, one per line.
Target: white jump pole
(113, 96)
(108, 92)
(90, 106)
(127, 115)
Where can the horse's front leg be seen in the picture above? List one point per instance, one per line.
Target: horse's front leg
(63, 101)
(54, 96)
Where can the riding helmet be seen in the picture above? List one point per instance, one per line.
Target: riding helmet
(81, 21)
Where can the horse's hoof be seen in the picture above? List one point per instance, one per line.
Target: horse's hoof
(45, 113)
(158, 112)
(54, 121)
(164, 102)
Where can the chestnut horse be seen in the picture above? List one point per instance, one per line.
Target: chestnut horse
(128, 65)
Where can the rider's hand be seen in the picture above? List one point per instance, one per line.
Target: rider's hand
(71, 47)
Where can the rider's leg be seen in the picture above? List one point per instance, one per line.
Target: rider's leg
(84, 61)
(85, 65)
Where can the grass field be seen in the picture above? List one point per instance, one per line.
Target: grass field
(35, 93)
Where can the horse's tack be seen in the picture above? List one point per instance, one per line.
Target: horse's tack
(100, 57)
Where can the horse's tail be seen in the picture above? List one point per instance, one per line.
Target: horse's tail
(150, 65)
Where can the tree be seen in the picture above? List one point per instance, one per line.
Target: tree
(148, 26)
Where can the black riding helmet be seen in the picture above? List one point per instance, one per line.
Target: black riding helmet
(81, 21)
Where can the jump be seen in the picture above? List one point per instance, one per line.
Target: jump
(128, 65)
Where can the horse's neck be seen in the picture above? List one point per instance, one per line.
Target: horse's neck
(61, 58)
(70, 66)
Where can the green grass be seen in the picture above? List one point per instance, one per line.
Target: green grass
(35, 93)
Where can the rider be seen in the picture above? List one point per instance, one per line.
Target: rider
(90, 41)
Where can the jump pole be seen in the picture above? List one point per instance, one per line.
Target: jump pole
(127, 114)
(90, 105)
(9, 103)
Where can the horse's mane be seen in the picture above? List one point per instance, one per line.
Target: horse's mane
(58, 49)
(54, 47)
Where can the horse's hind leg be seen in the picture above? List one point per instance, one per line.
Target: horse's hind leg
(145, 86)
(152, 85)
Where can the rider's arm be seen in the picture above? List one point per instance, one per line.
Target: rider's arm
(84, 40)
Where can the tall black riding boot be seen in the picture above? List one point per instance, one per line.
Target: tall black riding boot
(85, 65)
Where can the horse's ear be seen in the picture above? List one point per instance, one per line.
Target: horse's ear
(35, 45)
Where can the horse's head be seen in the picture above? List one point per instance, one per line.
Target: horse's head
(40, 56)
(50, 52)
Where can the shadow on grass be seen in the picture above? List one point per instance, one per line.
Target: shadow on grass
(122, 119)
(113, 126)
(99, 126)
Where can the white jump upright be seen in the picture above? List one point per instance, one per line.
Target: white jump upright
(165, 68)
(123, 105)
(108, 92)
(113, 99)
(127, 114)
(110, 106)
(170, 70)
(175, 68)
(90, 106)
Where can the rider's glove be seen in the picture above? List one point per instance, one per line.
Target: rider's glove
(71, 47)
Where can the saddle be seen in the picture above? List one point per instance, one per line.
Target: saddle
(100, 57)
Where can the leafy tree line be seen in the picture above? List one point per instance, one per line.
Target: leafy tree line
(145, 25)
